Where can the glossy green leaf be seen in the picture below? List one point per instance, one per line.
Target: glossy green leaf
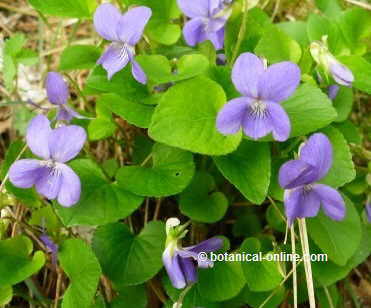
(361, 69)
(343, 103)
(129, 259)
(188, 110)
(6, 294)
(131, 297)
(65, 8)
(84, 275)
(171, 171)
(79, 57)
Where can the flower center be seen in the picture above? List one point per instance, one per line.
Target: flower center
(307, 188)
(258, 109)
(125, 50)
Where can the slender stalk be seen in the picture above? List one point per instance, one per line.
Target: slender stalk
(179, 302)
(328, 295)
(307, 264)
(360, 4)
(241, 33)
(294, 276)
(157, 209)
(58, 287)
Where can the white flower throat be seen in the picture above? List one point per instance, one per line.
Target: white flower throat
(258, 109)
(125, 50)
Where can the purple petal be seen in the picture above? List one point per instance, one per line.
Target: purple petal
(114, 59)
(296, 173)
(217, 38)
(246, 73)
(106, 20)
(194, 31)
(201, 262)
(69, 193)
(192, 9)
(341, 74)
(209, 245)
(66, 142)
(317, 151)
(49, 182)
(333, 91)
(229, 118)
(138, 73)
(131, 24)
(368, 212)
(51, 246)
(256, 125)
(173, 269)
(189, 269)
(332, 202)
(38, 132)
(25, 172)
(300, 203)
(280, 122)
(279, 81)
(56, 88)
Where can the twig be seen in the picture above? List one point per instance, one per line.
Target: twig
(157, 209)
(58, 287)
(360, 4)
(146, 206)
(17, 10)
(328, 295)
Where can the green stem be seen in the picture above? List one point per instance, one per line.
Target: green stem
(241, 33)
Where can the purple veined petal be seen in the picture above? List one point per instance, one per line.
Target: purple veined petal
(333, 91)
(66, 113)
(229, 118)
(51, 246)
(216, 24)
(173, 269)
(194, 31)
(295, 173)
(332, 202)
(189, 269)
(217, 38)
(106, 20)
(256, 122)
(246, 74)
(341, 74)
(300, 203)
(25, 172)
(280, 121)
(368, 211)
(115, 58)
(317, 151)
(70, 190)
(192, 9)
(209, 245)
(201, 262)
(279, 81)
(38, 132)
(131, 25)
(56, 88)
(65, 142)
(49, 182)
(137, 72)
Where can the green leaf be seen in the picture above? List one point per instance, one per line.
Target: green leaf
(82, 268)
(65, 8)
(297, 30)
(162, 32)
(221, 282)
(260, 275)
(201, 202)
(342, 170)
(249, 169)
(343, 103)
(79, 57)
(131, 297)
(9, 71)
(27, 57)
(135, 113)
(188, 110)
(101, 201)
(277, 46)
(338, 239)
(101, 128)
(45, 217)
(14, 45)
(171, 171)
(129, 259)
(350, 132)
(361, 69)
(16, 262)
(159, 70)
(330, 8)
(6, 294)
(308, 99)
(256, 299)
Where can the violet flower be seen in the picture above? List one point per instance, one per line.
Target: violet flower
(258, 111)
(303, 196)
(51, 176)
(208, 18)
(181, 262)
(333, 91)
(58, 94)
(51, 247)
(124, 31)
(368, 210)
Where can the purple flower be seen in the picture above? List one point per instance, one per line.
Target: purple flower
(51, 176)
(258, 111)
(341, 74)
(124, 31)
(181, 262)
(333, 91)
(368, 210)
(58, 94)
(208, 18)
(303, 196)
(51, 246)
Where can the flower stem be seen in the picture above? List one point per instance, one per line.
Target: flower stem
(294, 276)
(241, 33)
